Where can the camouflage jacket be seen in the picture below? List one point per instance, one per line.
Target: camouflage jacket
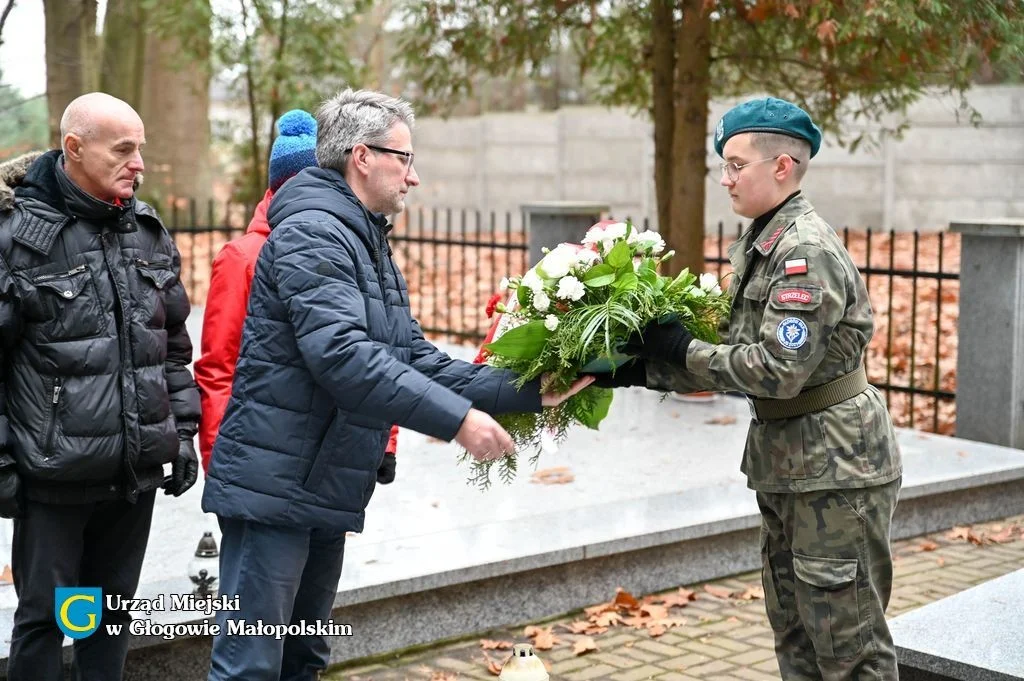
(800, 317)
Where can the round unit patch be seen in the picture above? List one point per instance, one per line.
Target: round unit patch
(792, 333)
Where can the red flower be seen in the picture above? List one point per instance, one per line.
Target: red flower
(492, 304)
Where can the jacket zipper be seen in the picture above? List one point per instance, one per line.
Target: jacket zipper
(158, 265)
(58, 385)
(69, 273)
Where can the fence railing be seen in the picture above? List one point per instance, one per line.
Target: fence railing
(453, 260)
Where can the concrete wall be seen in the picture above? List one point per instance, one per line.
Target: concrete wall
(942, 169)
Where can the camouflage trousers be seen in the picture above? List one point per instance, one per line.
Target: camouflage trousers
(827, 573)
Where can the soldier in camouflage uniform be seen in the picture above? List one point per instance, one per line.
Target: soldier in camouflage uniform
(821, 452)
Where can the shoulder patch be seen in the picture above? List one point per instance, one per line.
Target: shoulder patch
(792, 333)
(793, 295)
(767, 243)
(796, 266)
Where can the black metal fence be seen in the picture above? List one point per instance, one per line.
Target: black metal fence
(453, 261)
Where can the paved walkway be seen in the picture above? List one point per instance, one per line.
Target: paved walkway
(721, 635)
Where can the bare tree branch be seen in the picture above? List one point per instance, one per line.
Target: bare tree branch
(3, 18)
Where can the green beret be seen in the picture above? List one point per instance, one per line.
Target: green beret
(768, 115)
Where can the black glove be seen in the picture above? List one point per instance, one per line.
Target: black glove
(10, 488)
(666, 342)
(627, 375)
(386, 472)
(185, 468)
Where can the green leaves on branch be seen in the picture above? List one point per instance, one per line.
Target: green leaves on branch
(521, 342)
(599, 275)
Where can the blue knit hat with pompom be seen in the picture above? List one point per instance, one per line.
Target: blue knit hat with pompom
(294, 148)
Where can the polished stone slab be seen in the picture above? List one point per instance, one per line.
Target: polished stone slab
(975, 635)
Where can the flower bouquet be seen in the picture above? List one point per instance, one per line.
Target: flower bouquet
(572, 314)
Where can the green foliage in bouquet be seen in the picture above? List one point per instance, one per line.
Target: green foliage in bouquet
(574, 312)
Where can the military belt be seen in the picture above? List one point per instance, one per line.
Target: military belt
(809, 401)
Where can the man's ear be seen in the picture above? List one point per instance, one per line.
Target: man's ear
(360, 159)
(73, 146)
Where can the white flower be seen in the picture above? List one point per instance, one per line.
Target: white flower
(587, 257)
(570, 288)
(612, 234)
(709, 283)
(593, 236)
(606, 235)
(541, 301)
(532, 281)
(616, 230)
(551, 322)
(649, 240)
(503, 284)
(558, 262)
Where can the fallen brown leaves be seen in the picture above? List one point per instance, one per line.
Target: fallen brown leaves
(996, 534)
(444, 676)
(493, 666)
(654, 614)
(753, 592)
(583, 646)
(559, 475)
(543, 639)
(721, 421)
(651, 613)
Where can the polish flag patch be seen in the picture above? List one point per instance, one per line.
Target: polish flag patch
(798, 266)
(794, 295)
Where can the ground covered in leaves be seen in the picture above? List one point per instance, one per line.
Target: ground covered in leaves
(716, 630)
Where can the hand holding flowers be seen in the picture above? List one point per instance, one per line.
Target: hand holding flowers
(573, 314)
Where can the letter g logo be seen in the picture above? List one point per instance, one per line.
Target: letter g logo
(78, 610)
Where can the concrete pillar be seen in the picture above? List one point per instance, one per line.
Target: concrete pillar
(990, 353)
(549, 223)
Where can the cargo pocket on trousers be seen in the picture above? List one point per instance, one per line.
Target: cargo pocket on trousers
(777, 615)
(826, 596)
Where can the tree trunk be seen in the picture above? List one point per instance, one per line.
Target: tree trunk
(278, 74)
(124, 51)
(70, 40)
(258, 182)
(664, 62)
(689, 156)
(176, 110)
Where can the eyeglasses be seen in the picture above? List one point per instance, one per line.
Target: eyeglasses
(733, 170)
(407, 155)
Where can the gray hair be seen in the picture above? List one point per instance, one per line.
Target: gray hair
(773, 144)
(354, 117)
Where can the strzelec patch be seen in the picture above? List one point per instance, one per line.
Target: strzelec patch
(792, 333)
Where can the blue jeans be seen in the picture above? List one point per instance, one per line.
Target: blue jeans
(280, 575)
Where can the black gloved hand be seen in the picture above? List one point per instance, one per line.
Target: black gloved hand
(667, 342)
(386, 472)
(627, 375)
(184, 469)
(10, 488)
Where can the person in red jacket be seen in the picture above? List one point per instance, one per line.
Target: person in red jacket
(226, 301)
